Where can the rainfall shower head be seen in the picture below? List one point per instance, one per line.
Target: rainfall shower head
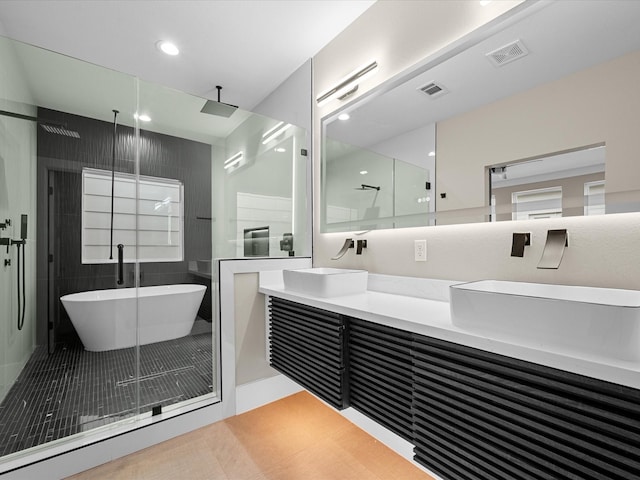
(218, 108)
(59, 130)
(47, 126)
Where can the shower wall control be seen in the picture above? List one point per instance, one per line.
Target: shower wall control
(7, 242)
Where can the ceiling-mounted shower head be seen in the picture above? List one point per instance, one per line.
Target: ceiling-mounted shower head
(218, 108)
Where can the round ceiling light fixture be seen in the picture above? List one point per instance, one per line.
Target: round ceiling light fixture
(168, 48)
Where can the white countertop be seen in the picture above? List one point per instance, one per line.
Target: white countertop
(431, 317)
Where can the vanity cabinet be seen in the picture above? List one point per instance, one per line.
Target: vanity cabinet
(380, 384)
(470, 414)
(480, 415)
(308, 346)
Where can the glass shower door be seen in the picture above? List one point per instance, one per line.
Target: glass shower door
(68, 330)
(174, 238)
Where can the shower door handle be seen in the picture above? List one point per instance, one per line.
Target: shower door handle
(120, 264)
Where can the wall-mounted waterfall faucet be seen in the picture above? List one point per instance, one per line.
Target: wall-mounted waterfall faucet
(554, 247)
(518, 242)
(348, 243)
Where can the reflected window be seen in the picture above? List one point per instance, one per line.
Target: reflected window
(564, 184)
(536, 204)
(594, 198)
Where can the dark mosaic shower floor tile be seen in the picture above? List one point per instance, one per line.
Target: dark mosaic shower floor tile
(73, 390)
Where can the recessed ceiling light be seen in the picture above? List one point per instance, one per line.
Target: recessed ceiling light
(143, 118)
(280, 149)
(432, 154)
(344, 116)
(484, 3)
(363, 172)
(168, 48)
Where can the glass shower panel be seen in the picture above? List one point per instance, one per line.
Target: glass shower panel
(177, 146)
(414, 200)
(17, 198)
(263, 174)
(359, 186)
(68, 330)
(96, 165)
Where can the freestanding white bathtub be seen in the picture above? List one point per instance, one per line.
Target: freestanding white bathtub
(106, 319)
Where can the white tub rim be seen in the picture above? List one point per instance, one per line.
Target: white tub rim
(129, 292)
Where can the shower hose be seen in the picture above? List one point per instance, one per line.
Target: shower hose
(21, 301)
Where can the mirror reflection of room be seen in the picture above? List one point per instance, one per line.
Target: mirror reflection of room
(561, 185)
(532, 94)
(381, 185)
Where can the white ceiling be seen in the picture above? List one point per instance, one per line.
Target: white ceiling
(249, 47)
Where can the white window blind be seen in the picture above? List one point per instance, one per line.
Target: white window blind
(150, 228)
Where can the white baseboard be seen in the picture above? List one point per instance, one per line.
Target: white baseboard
(256, 394)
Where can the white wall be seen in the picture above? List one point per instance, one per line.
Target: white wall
(411, 147)
(602, 250)
(291, 101)
(250, 324)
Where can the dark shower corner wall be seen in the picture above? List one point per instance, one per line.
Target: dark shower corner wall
(60, 162)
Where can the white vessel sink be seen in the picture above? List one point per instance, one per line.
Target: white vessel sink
(588, 321)
(325, 282)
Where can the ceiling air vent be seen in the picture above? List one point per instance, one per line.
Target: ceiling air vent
(433, 89)
(508, 53)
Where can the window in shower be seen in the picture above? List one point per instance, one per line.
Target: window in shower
(156, 227)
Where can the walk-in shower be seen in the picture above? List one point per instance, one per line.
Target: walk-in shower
(108, 281)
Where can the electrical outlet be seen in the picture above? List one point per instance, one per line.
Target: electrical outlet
(420, 250)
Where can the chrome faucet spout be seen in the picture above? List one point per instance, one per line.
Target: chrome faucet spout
(554, 247)
(348, 243)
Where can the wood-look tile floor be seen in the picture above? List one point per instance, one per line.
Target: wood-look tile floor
(296, 438)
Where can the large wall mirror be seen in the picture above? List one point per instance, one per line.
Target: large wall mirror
(538, 118)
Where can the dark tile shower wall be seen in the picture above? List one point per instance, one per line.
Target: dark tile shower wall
(60, 163)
